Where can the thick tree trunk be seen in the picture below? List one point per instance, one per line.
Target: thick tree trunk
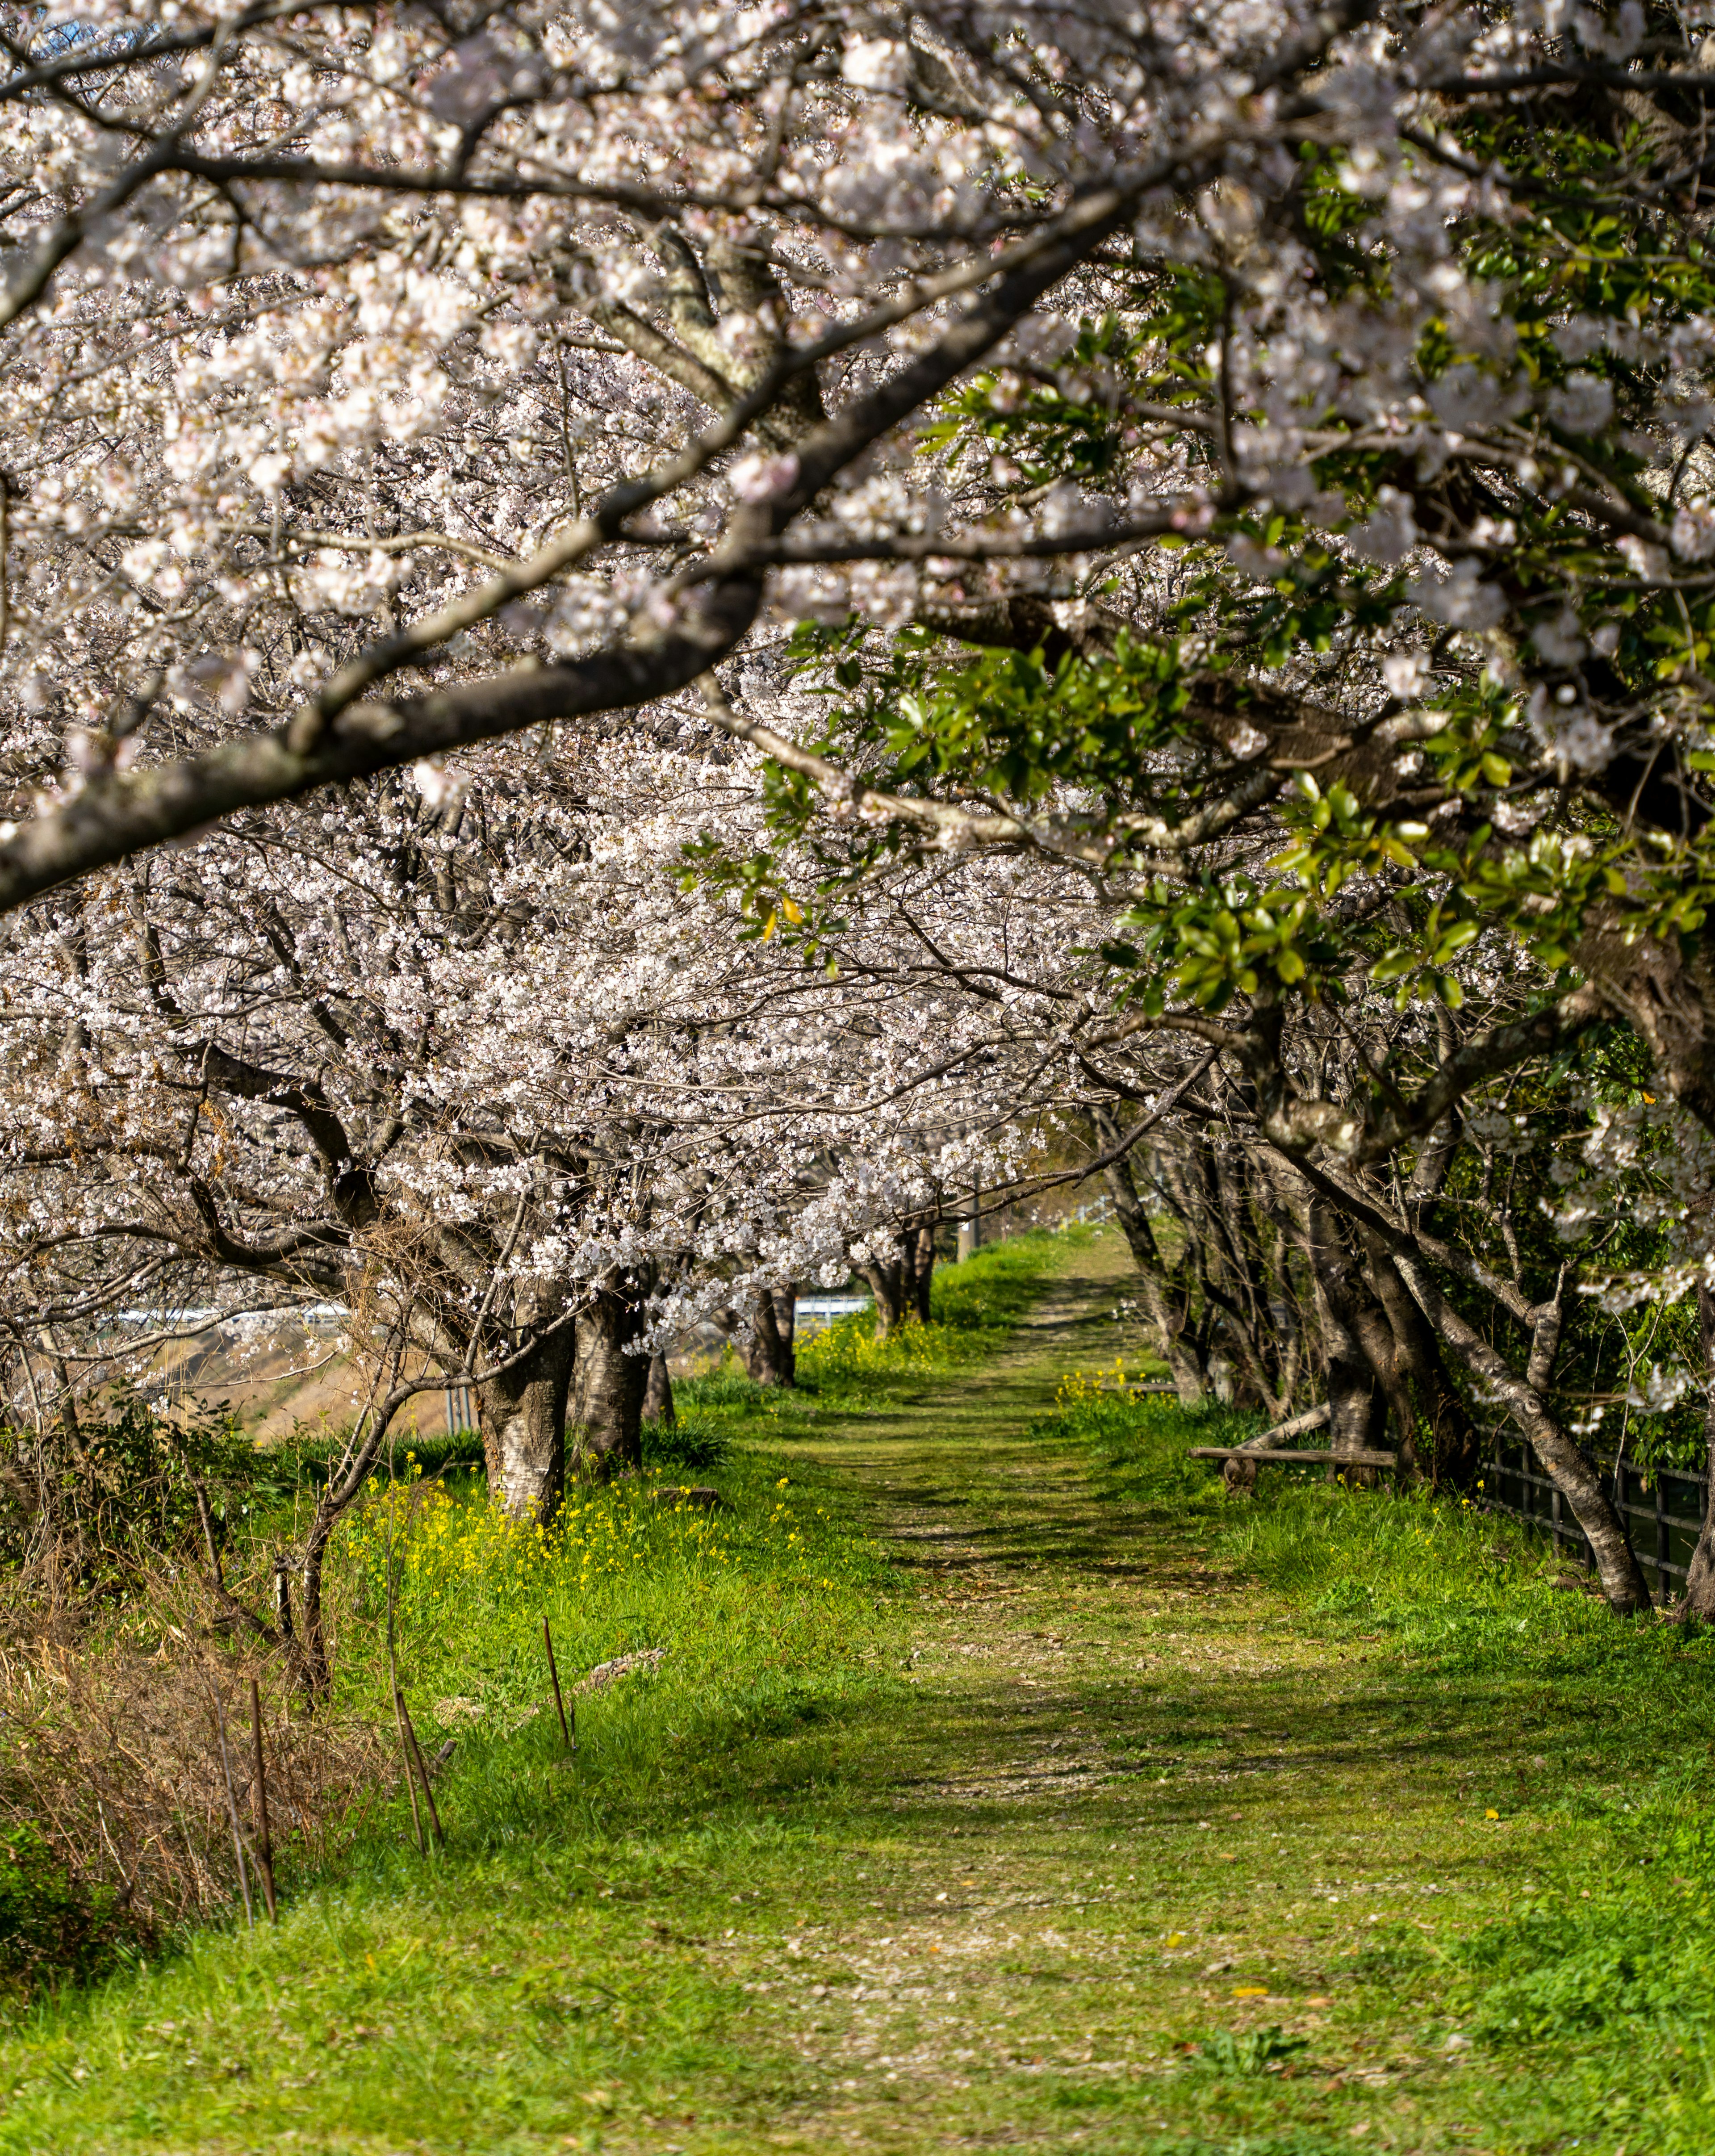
(604, 1408)
(1356, 1337)
(918, 1268)
(770, 1355)
(1445, 1444)
(658, 1394)
(1358, 1408)
(888, 1288)
(1698, 1599)
(522, 1412)
(1566, 1466)
(785, 1300)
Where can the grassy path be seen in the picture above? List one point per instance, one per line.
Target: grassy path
(1134, 1803)
(1116, 1850)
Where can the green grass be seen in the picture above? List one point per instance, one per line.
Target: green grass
(845, 1368)
(1596, 1969)
(1086, 1810)
(523, 1944)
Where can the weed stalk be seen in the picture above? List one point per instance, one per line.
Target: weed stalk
(415, 1752)
(566, 1727)
(232, 1809)
(265, 1845)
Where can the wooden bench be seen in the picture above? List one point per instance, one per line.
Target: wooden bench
(1369, 1459)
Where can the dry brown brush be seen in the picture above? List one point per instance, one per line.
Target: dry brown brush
(128, 1797)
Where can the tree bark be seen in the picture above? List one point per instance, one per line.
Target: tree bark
(1698, 1599)
(522, 1412)
(1571, 1473)
(1434, 1430)
(901, 1284)
(1357, 1337)
(917, 1265)
(769, 1355)
(658, 1394)
(786, 1326)
(888, 1288)
(604, 1425)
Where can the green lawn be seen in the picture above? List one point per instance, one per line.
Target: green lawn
(1038, 1798)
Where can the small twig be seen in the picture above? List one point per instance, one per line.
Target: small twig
(232, 1811)
(393, 1660)
(547, 1640)
(566, 429)
(415, 1752)
(205, 1520)
(410, 1778)
(6, 486)
(264, 1846)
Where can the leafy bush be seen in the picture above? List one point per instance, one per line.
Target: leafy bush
(91, 1503)
(1256, 2052)
(695, 1442)
(1551, 1971)
(53, 1923)
(310, 1454)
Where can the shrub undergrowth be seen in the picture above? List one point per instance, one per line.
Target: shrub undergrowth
(769, 1574)
(114, 1825)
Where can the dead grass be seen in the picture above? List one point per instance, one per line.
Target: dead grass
(111, 1749)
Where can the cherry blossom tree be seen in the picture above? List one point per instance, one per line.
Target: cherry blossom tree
(1244, 470)
(472, 1065)
(1417, 715)
(356, 417)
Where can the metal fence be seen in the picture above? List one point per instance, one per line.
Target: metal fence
(1662, 1512)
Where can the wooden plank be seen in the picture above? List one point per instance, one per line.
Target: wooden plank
(1540, 1521)
(1302, 1459)
(1495, 1468)
(1663, 1567)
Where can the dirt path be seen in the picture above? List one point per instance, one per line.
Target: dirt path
(1132, 1805)
(1122, 1854)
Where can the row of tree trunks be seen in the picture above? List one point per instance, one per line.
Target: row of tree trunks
(1380, 1283)
(1387, 1333)
(1165, 1289)
(569, 1411)
(573, 1409)
(1223, 1294)
(900, 1282)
